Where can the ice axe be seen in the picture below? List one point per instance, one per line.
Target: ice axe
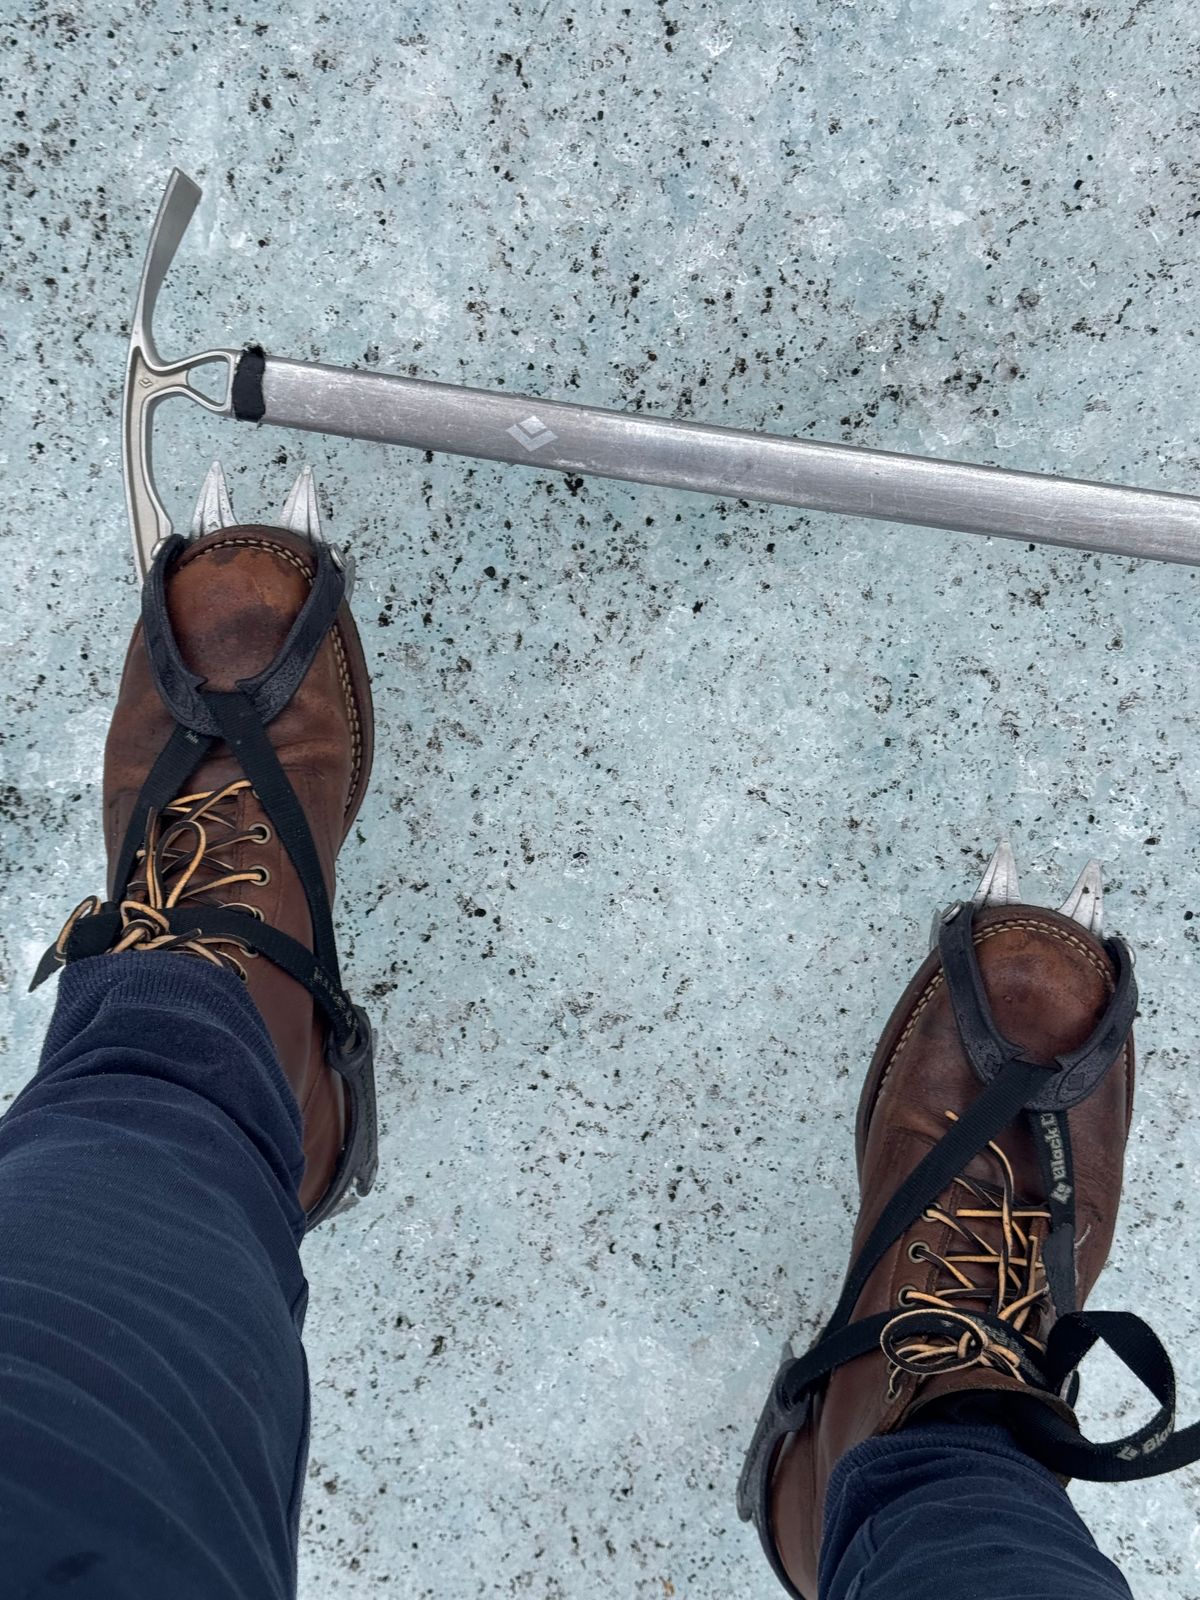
(589, 440)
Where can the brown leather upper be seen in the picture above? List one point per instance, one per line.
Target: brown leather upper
(1048, 983)
(232, 597)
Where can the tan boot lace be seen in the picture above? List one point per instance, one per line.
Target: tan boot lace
(1006, 1274)
(181, 861)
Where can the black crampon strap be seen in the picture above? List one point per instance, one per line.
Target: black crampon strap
(182, 692)
(244, 732)
(1071, 1077)
(239, 717)
(288, 954)
(995, 1108)
(1013, 1082)
(93, 934)
(1074, 1073)
(179, 757)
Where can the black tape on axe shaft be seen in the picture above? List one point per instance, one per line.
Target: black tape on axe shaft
(249, 404)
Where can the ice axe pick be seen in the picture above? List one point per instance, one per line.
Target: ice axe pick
(1144, 523)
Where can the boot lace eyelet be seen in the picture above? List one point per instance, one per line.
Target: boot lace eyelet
(260, 833)
(262, 876)
(917, 1251)
(904, 1298)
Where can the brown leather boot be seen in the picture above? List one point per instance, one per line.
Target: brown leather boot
(238, 757)
(991, 1138)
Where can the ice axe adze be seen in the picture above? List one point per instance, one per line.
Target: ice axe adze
(1143, 523)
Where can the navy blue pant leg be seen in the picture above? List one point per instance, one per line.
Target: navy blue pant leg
(153, 1389)
(955, 1512)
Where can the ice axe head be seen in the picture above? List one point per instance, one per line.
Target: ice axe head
(148, 380)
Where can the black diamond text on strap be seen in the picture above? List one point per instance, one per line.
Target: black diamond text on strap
(1052, 1139)
(1150, 1450)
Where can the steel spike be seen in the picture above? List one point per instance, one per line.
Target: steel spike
(300, 512)
(214, 509)
(1085, 903)
(999, 882)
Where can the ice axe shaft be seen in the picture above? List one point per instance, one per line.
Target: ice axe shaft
(731, 462)
(594, 442)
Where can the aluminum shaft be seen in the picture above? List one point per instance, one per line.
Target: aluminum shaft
(570, 438)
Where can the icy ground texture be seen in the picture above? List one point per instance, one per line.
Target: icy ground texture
(666, 789)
